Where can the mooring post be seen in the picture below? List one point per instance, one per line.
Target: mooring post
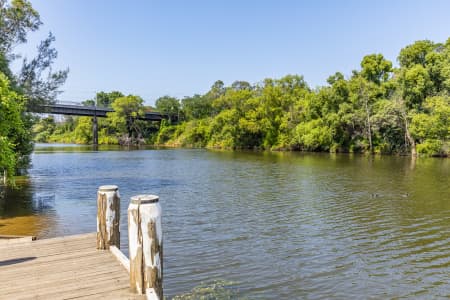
(145, 246)
(108, 217)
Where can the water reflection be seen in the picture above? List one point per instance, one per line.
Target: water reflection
(277, 225)
(24, 212)
(53, 148)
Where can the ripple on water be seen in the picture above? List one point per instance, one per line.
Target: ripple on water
(279, 225)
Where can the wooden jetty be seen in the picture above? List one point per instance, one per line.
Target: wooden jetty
(89, 266)
(61, 268)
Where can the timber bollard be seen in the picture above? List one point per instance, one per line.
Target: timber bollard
(145, 246)
(108, 217)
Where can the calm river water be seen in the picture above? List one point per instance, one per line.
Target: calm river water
(277, 225)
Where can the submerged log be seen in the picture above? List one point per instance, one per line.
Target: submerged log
(108, 217)
(145, 246)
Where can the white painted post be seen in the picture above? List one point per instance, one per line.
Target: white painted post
(145, 246)
(108, 217)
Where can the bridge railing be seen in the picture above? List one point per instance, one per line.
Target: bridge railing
(68, 103)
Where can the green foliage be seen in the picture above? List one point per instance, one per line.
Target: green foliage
(103, 99)
(378, 109)
(106, 99)
(37, 80)
(125, 118)
(416, 85)
(194, 134)
(389, 134)
(314, 135)
(17, 18)
(431, 147)
(106, 139)
(375, 68)
(169, 106)
(12, 127)
(372, 111)
(415, 54)
(120, 127)
(44, 129)
(165, 134)
(83, 130)
(8, 159)
(196, 107)
(35, 84)
(431, 128)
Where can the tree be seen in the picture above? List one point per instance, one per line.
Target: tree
(103, 99)
(44, 129)
(432, 127)
(88, 102)
(196, 107)
(314, 135)
(415, 54)
(375, 68)
(36, 81)
(168, 105)
(125, 118)
(416, 85)
(17, 18)
(217, 90)
(241, 85)
(12, 127)
(278, 100)
(83, 130)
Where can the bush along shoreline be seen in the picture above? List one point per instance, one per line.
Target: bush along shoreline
(378, 109)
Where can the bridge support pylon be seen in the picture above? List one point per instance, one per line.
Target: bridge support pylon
(94, 131)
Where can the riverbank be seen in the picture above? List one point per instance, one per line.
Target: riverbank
(378, 108)
(180, 145)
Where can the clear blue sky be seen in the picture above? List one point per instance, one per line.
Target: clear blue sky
(179, 48)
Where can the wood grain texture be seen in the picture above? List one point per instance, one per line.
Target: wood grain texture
(62, 268)
(108, 218)
(145, 245)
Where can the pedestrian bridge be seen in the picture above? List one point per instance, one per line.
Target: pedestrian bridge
(77, 109)
(94, 111)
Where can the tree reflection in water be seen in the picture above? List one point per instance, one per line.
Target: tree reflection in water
(22, 213)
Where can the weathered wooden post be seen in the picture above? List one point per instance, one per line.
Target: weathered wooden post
(145, 246)
(108, 217)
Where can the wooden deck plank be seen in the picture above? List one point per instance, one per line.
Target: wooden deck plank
(62, 239)
(15, 239)
(43, 249)
(60, 262)
(53, 274)
(42, 252)
(62, 268)
(115, 294)
(66, 284)
(29, 261)
(41, 245)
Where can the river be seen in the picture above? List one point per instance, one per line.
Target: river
(275, 225)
